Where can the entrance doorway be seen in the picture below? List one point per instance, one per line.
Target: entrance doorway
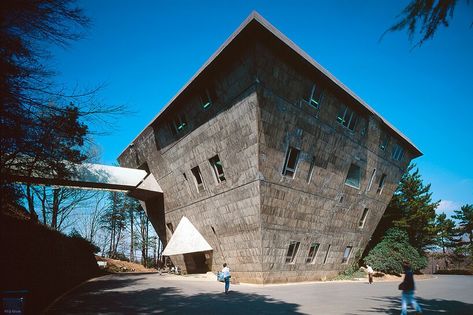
(197, 262)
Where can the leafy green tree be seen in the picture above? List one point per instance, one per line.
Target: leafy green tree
(387, 256)
(465, 226)
(425, 16)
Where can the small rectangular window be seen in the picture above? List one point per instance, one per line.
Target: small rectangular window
(368, 188)
(311, 169)
(290, 164)
(179, 124)
(170, 227)
(326, 254)
(292, 251)
(383, 142)
(347, 118)
(381, 184)
(314, 247)
(315, 97)
(398, 152)
(198, 178)
(205, 100)
(353, 176)
(217, 168)
(361, 223)
(346, 254)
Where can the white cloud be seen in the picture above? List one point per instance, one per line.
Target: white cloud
(448, 206)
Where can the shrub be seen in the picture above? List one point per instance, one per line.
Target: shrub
(387, 255)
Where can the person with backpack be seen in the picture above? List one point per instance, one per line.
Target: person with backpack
(226, 277)
(407, 286)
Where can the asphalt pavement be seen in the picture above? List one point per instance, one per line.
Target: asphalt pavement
(166, 294)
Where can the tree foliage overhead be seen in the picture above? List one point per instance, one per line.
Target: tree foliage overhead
(388, 255)
(41, 125)
(425, 16)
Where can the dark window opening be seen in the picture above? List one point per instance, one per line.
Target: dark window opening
(185, 176)
(292, 251)
(353, 176)
(315, 97)
(326, 254)
(314, 247)
(346, 254)
(198, 178)
(347, 118)
(368, 188)
(381, 184)
(179, 124)
(398, 152)
(311, 169)
(217, 168)
(383, 142)
(361, 223)
(290, 164)
(205, 100)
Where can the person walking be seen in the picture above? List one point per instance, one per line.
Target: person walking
(370, 274)
(226, 277)
(407, 286)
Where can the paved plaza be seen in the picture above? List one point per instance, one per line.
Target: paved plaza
(166, 294)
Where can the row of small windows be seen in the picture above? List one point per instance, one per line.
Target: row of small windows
(353, 178)
(179, 123)
(348, 118)
(217, 168)
(312, 253)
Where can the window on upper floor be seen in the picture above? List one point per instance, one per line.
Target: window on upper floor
(383, 141)
(361, 223)
(290, 163)
(178, 124)
(354, 176)
(311, 170)
(199, 184)
(398, 152)
(313, 249)
(346, 254)
(347, 118)
(368, 188)
(315, 97)
(217, 168)
(205, 100)
(381, 184)
(292, 251)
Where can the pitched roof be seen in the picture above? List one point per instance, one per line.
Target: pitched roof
(255, 17)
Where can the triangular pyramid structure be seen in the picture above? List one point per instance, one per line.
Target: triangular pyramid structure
(186, 239)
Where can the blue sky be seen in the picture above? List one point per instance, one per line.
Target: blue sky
(145, 51)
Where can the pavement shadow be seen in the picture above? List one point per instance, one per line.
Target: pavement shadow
(104, 298)
(392, 305)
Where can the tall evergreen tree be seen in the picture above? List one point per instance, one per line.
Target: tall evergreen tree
(410, 209)
(446, 235)
(465, 226)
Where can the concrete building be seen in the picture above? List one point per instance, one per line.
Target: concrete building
(283, 170)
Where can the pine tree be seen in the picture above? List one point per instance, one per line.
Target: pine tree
(465, 227)
(446, 235)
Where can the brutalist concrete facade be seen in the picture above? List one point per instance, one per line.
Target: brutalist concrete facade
(285, 135)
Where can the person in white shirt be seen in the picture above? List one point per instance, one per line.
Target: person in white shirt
(370, 273)
(226, 277)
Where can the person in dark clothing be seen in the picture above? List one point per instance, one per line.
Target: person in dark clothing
(407, 286)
